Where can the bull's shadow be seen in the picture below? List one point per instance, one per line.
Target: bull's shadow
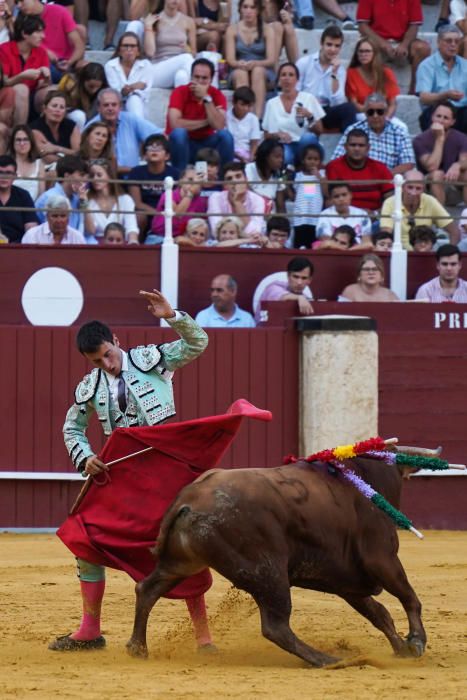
(301, 525)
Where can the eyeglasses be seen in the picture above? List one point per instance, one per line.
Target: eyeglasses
(128, 46)
(154, 147)
(20, 140)
(372, 112)
(369, 269)
(365, 51)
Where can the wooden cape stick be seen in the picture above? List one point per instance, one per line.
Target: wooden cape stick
(87, 483)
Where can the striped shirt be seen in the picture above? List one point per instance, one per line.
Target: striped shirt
(432, 291)
(392, 146)
(308, 199)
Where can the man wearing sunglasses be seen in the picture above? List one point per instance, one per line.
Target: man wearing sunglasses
(390, 144)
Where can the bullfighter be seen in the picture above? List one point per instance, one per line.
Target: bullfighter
(125, 389)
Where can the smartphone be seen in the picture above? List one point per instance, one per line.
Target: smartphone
(201, 168)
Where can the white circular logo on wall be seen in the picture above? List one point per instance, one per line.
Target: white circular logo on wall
(52, 296)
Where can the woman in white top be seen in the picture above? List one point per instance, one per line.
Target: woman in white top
(170, 44)
(293, 117)
(23, 150)
(105, 196)
(130, 74)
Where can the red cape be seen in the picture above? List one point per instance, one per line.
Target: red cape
(118, 521)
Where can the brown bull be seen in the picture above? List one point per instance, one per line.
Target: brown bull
(299, 525)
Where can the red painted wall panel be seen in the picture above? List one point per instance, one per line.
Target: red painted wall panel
(246, 363)
(111, 276)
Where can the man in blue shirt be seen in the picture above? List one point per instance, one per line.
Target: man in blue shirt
(443, 76)
(128, 130)
(224, 312)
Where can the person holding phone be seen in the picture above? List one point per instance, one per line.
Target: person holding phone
(293, 118)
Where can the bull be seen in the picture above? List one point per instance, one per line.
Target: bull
(267, 529)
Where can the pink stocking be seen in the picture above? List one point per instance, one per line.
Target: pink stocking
(92, 594)
(199, 618)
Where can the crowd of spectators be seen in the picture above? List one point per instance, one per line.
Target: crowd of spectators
(77, 139)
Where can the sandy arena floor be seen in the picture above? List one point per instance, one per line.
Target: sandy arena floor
(40, 599)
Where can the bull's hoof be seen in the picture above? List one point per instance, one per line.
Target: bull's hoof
(415, 647)
(320, 660)
(136, 649)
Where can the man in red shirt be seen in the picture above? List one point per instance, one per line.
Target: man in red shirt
(196, 118)
(354, 166)
(26, 65)
(63, 42)
(393, 25)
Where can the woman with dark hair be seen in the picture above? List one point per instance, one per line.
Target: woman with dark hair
(96, 142)
(26, 65)
(370, 282)
(81, 91)
(264, 173)
(366, 74)
(250, 52)
(130, 74)
(54, 134)
(28, 164)
(294, 118)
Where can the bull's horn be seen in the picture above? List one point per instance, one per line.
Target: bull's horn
(391, 441)
(420, 451)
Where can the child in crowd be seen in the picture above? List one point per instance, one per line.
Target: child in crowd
(156, 152)
(308, 196)
(243, 124)
(114, 234)
(341, 212)
(196, 233)
(264, 174)
(187, 202)
(382, 241)
(343, 238)
(230, 234)
(277, 232)
(210, 173)
(422, 239)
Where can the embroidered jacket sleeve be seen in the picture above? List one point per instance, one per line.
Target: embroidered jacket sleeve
(193, 341)
(77, 421)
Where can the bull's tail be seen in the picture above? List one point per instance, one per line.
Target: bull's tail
(170, 518)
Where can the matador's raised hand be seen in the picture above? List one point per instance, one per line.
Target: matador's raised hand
(158, 304)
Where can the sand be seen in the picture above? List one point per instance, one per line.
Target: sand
(40, 599)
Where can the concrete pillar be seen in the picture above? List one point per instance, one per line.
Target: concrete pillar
(338, 381)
